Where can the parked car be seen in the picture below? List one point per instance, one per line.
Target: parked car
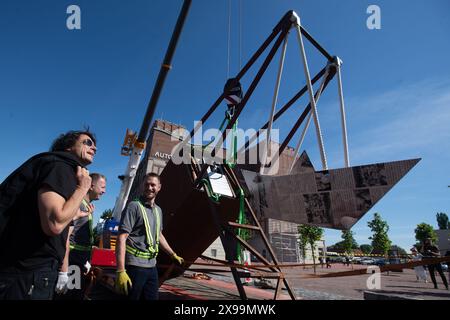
(380, 262)
(367, 261)
(357, 260)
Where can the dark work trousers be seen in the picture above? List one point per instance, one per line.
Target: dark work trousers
(144, 283)
(438, 268)
(77, 258)
(36, 284)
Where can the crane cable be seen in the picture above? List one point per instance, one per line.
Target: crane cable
(229, 37)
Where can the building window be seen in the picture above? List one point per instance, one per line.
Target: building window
(214, 252)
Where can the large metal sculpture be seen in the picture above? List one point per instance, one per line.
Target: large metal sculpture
(195, 217)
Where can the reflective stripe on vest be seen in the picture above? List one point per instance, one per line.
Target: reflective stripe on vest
(153, 246)
(80, 247)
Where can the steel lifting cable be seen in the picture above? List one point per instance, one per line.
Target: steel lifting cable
(274, 103)
(343, 120)
(240, 34)
(229, 39)
(311, 95)
(305, 129)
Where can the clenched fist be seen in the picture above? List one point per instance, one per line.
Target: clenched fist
(83, 178)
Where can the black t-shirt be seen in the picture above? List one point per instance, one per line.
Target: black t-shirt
(24, 244)
(428, 251)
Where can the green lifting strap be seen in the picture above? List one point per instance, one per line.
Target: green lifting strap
(152, 245)
(220, 129)
(233, 162)
(213, 196)
(241, 220)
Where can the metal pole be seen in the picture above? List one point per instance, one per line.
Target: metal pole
(252, 87)
(316, 44)
(243, 71)
(311, 96)
(305, 129)
(298, 123)
(343, 120)
(284, 109)
(165, 67)
(274, 103)
(139, 145)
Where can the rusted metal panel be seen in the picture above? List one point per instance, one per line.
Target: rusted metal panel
(188, 223)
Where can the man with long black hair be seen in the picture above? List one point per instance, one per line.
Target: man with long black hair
(38, 201)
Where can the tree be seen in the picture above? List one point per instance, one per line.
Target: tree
(340, 246)
(380, 239)
(302, 243)
(310, 235)
(366, 248)
(424, 231)
(349, 242)
(107, 214)
(442, 220)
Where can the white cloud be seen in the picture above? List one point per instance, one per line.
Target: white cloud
(413, 120)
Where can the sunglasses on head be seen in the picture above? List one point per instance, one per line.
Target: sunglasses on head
(88, 142)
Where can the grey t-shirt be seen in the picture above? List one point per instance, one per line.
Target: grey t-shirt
(81, 232)
(132, 223)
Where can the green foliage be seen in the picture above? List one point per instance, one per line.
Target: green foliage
(96, 237)
(309, 235)
(442, 220)
(380, 239)
(302, 242)
(366, 248)
(349, 243)
(424, 231)
(107, 214)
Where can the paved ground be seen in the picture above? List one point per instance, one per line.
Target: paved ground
(307, 287)
(353, 287)
(221, 286)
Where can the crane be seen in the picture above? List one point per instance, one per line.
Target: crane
(134, 144)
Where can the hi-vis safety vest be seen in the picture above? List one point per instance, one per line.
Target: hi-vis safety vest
(80, 247)
(152, 245)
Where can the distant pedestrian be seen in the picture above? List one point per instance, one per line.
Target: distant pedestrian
(327, 260)
(421, 273)
(321, 261)
(447, 254)
(429, 250)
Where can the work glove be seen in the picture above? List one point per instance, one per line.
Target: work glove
(61, 285)
(122, 282)
(178, 259)
(88, 266)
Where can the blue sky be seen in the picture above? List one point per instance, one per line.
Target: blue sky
(396, 84)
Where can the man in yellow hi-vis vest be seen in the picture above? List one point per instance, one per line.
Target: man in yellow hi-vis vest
(140, 235)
